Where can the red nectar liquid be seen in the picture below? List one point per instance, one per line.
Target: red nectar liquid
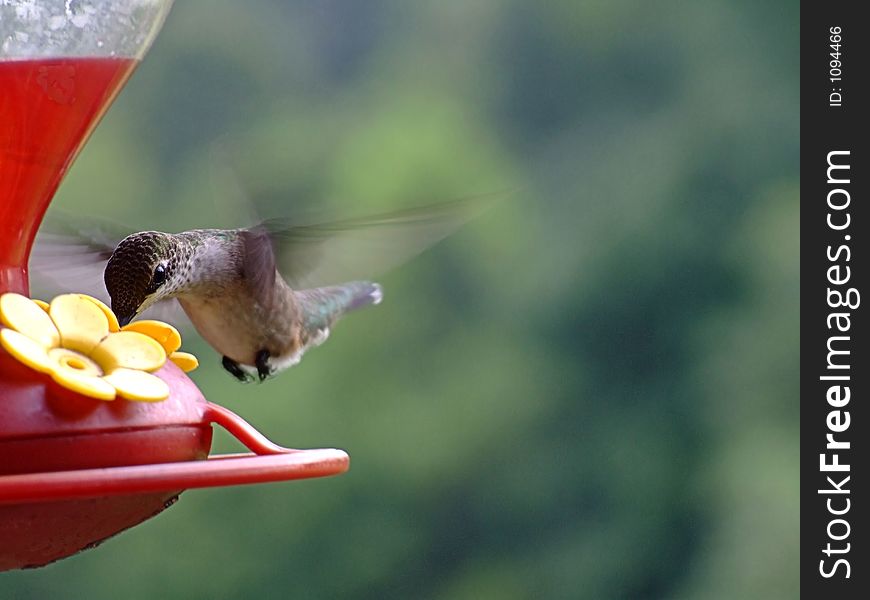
(48, 108)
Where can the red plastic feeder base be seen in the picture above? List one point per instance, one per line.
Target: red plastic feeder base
(48, 516)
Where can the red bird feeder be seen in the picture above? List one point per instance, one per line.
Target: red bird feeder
(75, 470)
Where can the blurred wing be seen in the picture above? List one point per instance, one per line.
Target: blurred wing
(259, 263)
(314, 255)
(70, 255)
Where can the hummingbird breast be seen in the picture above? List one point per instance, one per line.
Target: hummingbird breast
(239, 326)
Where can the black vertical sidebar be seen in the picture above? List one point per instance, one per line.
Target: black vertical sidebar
(835, 371)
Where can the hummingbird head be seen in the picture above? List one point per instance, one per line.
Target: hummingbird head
(137, 272)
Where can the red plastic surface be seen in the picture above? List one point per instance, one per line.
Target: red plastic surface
(266, 462)
(75, 471)
(46, 516)
(32, 405)
(33, 535)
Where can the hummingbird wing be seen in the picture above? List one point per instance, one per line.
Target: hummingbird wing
(318, 254)
(70, 255)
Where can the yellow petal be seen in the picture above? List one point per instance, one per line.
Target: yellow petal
(113, 320)
(138, 385)
(81, 323)
(87, 385)
(25, 350)
(129, 349)
(23, 315)
(41, 304)
(165, 334)
(77, 362)
(184, 360)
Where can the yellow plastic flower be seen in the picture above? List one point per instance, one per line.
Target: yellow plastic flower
(76, 340)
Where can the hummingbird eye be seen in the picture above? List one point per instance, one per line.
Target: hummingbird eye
(159, 276)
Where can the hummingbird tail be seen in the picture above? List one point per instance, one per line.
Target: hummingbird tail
(322, 306)
(362, 293)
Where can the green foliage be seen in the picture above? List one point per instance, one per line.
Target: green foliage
(589, 392)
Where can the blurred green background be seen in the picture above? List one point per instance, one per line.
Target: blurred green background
(589, 392)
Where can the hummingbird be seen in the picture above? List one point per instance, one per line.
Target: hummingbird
(253, 293)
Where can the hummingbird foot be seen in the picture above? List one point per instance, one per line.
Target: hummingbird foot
(236, 370)
(264, 370)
